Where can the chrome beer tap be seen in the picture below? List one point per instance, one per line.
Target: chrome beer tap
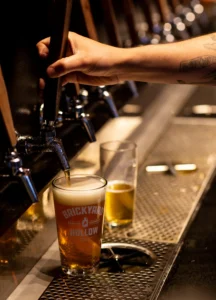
(47, 140)
(15, 167)
(101, 93)
(74, 110)
(13, 162)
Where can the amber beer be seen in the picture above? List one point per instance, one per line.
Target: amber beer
(119, 208)
(118, 164)
(79, 209)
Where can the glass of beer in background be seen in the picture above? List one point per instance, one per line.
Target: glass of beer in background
(79, 209)
(118, 164)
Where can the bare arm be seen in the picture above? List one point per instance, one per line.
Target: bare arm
(89, 62)
(188, 62)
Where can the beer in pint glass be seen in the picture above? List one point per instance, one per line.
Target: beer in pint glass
(118, 164)
(79, 209)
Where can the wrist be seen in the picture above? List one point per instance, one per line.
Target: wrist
(124, 62)
(151, 63)
(131, 62)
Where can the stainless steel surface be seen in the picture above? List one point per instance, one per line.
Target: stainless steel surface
(15, 165)
(45, 142)
(101, 93)
(159, 115)
(165, 202)
(155, 209)
(165, 206)
(12, 159)
(114, 286)
(75, 111)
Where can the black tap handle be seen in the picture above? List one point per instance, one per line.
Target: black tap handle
(60, 22)
(87, 124)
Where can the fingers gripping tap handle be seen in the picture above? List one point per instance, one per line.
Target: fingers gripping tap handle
(60, 22)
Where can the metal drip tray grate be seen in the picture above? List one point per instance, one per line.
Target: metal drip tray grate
(164, 202)
(113, 285)
(13, 244)
(164, 206)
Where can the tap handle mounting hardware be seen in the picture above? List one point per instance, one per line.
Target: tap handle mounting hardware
(12, 159)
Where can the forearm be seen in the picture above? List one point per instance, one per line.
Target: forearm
(190, 62)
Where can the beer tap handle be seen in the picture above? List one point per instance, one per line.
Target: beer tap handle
(172, 5)
(146, 7)
(61, 12)
(163, 9)
(112, 29)
(6, 112)
(111, 23)
(89, 22)
(129, 12)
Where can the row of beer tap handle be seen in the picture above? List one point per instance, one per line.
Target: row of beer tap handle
(166, 20)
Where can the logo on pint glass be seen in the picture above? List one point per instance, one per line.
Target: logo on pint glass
(85, 222)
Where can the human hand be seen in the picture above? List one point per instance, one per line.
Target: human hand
(87, 61)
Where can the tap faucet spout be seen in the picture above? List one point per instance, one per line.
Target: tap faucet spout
(75, 111)
(46, 142)
(56, 146)
(104, 95)
(15, 164)
(87, 124)
(25, 177)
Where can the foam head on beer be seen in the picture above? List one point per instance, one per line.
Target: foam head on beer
(80, 192)
(79, 209)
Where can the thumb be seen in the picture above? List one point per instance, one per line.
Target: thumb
(66, 65)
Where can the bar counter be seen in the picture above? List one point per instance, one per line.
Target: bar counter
(174, 217)
(193, 275)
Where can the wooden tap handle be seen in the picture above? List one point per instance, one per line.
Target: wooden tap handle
(6, 111)
(111, 23)
(173, 4)
(147, 10)
(129, 12)
(163, 9)
(89, 22)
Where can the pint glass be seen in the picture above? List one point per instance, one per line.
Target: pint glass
(79, 209)
(118, 164)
